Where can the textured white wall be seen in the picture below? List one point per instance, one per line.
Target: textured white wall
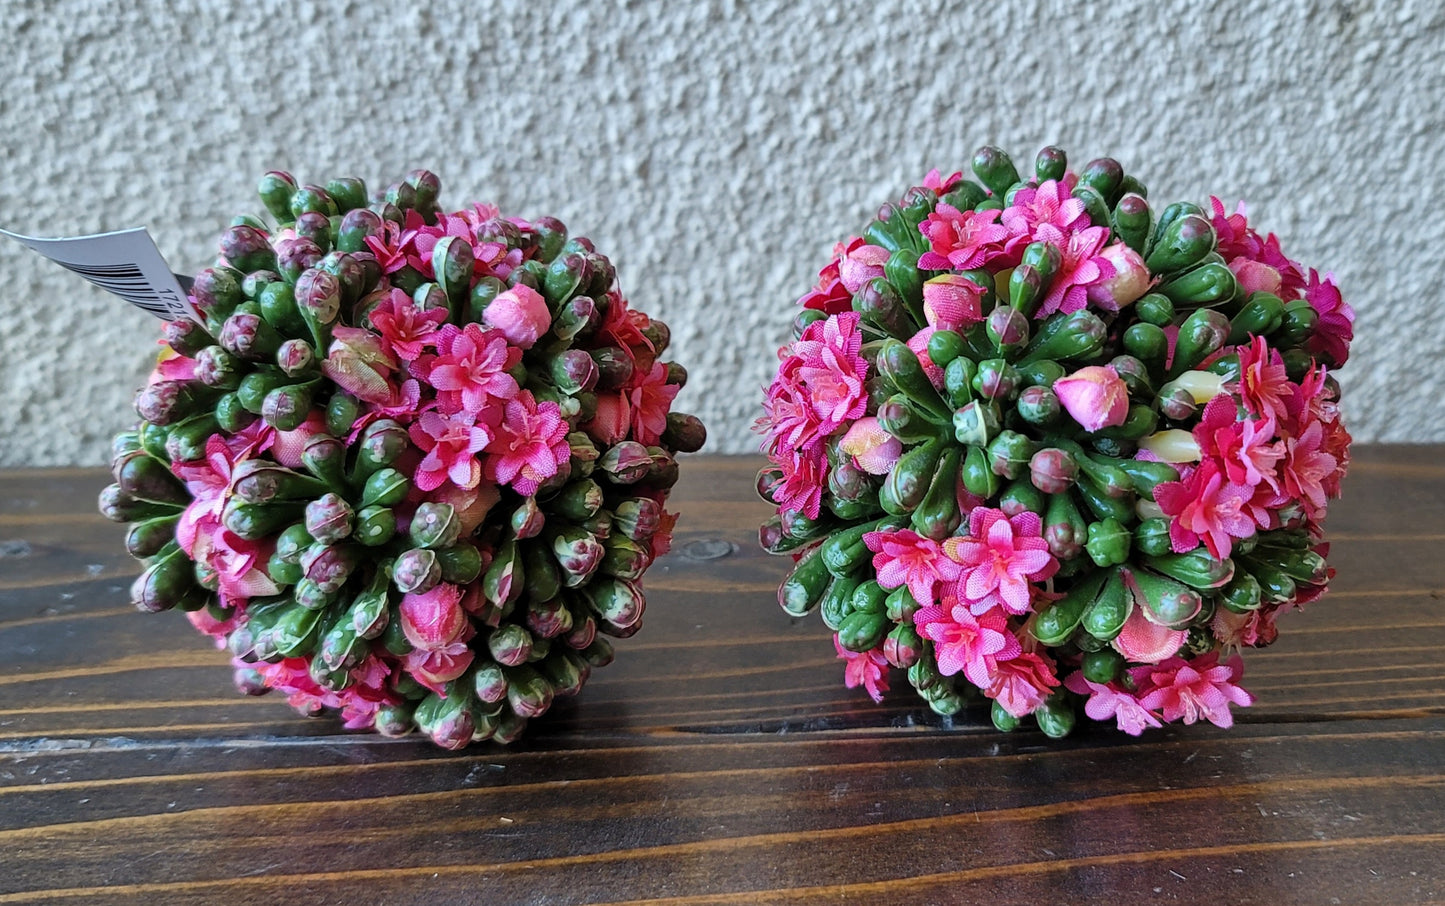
(715, 150)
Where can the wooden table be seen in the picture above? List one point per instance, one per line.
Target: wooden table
(719, 759)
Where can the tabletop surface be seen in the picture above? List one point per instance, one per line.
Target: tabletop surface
(719, 759)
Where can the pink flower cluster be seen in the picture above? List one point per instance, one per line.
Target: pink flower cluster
(817, 394)
(1271, 454)
(1062, 412)
(476, 412)
(971, 591)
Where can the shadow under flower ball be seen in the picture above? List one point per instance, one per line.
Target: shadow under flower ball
(1040, 440)
(405, 463)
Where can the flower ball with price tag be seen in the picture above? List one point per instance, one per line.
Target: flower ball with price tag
(1042, 441)
(407, 464)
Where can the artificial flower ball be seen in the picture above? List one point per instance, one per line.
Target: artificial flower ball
(407, 464)
(1042, 442)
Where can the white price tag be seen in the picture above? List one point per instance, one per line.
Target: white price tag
(126, 263)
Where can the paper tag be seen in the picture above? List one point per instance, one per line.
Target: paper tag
(126, 263)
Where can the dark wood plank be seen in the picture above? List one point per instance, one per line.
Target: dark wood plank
(719, 759)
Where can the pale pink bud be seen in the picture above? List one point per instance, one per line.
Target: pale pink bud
(951, 302)
(1130, 280)
(1095, 396)
(520, 314)
(435, 619)
(612, 420)
(1255, 276)
(875, 450)
(861, 264)
(359, 364)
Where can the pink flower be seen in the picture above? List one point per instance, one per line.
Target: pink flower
(1245, 448)
(1050, 203)
(207, 624)
(530, 445)
(520, 314)
(1263, 386)
(1000, 556)
(801, 488)
(1023, 683)
(829, 295)
(368, 694)
(960, 240)
(951, 302)
(623, 327)
(661, 540)
(903, 557)
(237, 563)
(172, 366)
(1130, 281)
(873, 449)
(818, 388)
(1330, 341)
(1306, 469)
(393, 245)
(1255, 629)
(404, 328)
(651, 398)
(359, 362)
(292, 677)
(1236, 240)
(425, 238)
(451, 444)
(1094, 396)
(1207, 507)
(1082, 265)
(209, 481)
(941, 185)
(1201, 688)
(861, 263)
(1106, 701)
(470, 370)
(435, 619)
(964, 641)
(868, 669)
(832, 370)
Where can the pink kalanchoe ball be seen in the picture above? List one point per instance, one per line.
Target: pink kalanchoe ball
(1065, 451)
(385, 502)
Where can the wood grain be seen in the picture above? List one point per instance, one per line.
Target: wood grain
(719, 759)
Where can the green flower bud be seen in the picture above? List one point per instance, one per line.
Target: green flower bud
(386, 487)
(276, 189)
(510, 645)
(167, 402)
(618, 605)
(260, 481)
(416, 571)
(435, 526)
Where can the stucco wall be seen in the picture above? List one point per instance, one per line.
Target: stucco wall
(715, 150)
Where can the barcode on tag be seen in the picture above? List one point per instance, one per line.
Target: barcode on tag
(125, 263)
